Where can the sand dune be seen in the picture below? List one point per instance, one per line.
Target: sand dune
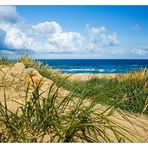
(14, 81)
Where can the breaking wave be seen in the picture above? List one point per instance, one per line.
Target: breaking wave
(87, 70)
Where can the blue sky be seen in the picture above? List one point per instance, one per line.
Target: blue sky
(75, 31)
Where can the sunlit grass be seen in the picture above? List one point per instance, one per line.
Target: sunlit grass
(54, 119)
(74, 117)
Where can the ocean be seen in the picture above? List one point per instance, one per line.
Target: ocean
(96, 66)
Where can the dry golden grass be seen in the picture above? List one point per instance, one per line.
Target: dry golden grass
(57, 115)
(141, 75)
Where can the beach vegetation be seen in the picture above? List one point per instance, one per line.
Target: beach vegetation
(75, 116)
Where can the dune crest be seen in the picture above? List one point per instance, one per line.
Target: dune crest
(14, 81)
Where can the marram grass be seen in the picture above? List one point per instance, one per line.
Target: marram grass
(71, 118)
(54, 119)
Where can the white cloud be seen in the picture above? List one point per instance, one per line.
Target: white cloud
(49, 37)
(44, 37)
(140, 51)
(67, 40)
(136, 27)
(17, 39)
(99, 37)
(47, 28)
(55, 38)
(9, 14)
(109, 40)
(41, 38)
(96, 31)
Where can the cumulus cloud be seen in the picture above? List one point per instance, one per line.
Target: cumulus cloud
(9, 14)
(95, 31)
(136, 27)
(100, 38)
(17, 39)
(48, 37)
(44, 37)
(47, 28)
(67, 40)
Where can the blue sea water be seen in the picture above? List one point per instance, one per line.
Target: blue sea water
(96, 66)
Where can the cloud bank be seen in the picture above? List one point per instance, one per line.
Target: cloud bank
(143, 51)
(46, 38)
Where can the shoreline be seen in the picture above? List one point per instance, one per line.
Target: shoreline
(85, 77)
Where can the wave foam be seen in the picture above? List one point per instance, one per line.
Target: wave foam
(91, 70)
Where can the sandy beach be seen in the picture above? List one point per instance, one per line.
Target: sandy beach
(85, 77)
(14, 80)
